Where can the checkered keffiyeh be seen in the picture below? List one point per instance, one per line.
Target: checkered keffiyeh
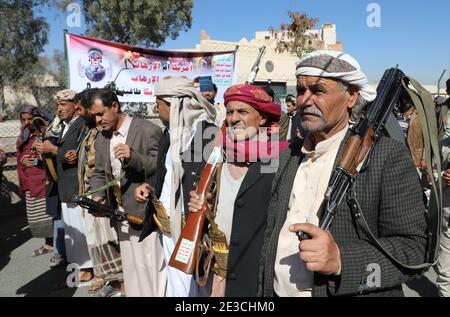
(332, 64)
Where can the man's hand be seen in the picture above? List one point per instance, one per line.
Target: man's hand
(71, 157)
(195, 204)
(446, 176)
(46, 147)
(122, 151)
(100, 200)
(142, 192)
(27, 161)
(321, 253)
(423, 165)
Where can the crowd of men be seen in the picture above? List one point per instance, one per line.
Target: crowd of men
(269, 185)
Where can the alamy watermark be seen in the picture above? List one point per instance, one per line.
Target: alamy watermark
(374, 18)
(73, 19)
(374, 278)
(73, 279)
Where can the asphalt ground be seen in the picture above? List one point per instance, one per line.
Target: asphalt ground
(22, 275)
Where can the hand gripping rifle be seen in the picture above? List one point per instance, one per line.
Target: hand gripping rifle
(185, 254)
(41, 127)
(94, 206)
(356, 153)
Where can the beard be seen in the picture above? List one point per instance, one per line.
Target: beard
(90, 121)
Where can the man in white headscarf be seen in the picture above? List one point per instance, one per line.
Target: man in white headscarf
(191, 123)
(331, 92)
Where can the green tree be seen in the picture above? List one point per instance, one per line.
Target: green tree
(136, 22)
(293, 37)
(22, 37)
(58, 68)
(44, 79)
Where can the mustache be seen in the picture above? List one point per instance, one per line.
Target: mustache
(237, 126)
(312, 110)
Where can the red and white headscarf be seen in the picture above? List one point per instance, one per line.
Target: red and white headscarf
(263, 147)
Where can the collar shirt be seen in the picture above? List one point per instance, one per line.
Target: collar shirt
(291, 278)
(119, 137)
(67, 125)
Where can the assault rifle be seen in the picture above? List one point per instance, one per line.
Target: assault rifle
(356, 153)
(94, 206)
(255, 68)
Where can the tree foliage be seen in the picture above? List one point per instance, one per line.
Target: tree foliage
(44, 79)
(292, 37)
(136, 22)
(22, 38)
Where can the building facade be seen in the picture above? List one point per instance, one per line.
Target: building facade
(276, 69)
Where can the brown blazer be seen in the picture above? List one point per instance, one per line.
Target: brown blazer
(143, 138)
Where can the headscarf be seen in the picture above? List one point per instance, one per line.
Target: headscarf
(262, 148)
(187, 108)
(256, 97)
(339, 65)
(25, 132)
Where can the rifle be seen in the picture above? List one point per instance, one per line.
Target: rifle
(255, 68)
(356, 153)
(40, 126)
(184, 256)
(94, 206)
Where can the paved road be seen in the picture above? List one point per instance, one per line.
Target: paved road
(23, 275)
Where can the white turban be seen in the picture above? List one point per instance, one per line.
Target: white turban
(337, 65)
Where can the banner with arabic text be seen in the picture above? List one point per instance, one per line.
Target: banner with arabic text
(97, 62)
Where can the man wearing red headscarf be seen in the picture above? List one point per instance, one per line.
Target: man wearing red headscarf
(238, 212)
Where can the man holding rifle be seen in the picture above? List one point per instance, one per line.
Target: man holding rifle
(332, 90)
(125, 154)
(191, 122)
(238, 209)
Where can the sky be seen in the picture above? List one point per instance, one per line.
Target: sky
(413, 33)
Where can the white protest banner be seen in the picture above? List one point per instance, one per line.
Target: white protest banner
(98, 62)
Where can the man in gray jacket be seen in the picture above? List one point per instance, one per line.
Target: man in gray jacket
(126, 151)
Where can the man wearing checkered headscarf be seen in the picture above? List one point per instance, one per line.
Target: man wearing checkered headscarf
(330, 85)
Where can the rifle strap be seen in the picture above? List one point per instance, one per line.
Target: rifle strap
(362, 223)
(424, 105)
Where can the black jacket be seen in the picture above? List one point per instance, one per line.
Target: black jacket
(67, 173)
(193, 161)
(247, 233)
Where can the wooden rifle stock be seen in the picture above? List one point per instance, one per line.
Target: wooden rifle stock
(355, 152)
(185, 254)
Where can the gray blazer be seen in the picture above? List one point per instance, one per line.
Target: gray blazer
(390, 196)
(143, 138)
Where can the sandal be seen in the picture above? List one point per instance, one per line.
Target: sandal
(108, 291)
(97, 284)
(41, 251)
(56, 261)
